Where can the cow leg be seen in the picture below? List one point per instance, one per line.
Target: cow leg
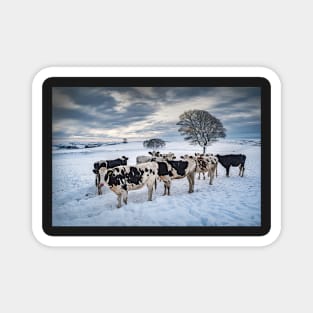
(97, 182)
(165, 187)
(216, 170)
(125, 196)
(199, 176)
(239, 169)
(99, 190)
(242, 170)
(191, 181)
(168, 188)
(211, 175)
(227, 171)
(203, 175)
(150, 190)
(119, 198)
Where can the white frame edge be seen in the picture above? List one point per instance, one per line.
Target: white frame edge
(159, 241)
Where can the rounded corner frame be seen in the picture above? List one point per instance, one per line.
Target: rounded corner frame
(165, 241)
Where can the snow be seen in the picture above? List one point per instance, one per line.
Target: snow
(230, 201)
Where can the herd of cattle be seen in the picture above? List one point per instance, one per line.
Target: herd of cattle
(121, 178)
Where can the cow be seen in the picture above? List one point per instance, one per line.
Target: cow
(205, 164)
(233, 160)
(172, 169)
(212, 159)
(166, 156)
(157, 156)
(106, 164)
(143, 159)
(122, 179)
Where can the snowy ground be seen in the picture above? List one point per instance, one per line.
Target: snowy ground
(232, 201)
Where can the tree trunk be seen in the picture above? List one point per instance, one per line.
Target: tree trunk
(204, 147)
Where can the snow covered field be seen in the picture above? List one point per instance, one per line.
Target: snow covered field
(232, 201)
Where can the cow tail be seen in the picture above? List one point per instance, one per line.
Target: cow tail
(155, 184)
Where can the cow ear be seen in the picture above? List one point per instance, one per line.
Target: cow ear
(174, 157)
(150, 152)
(181, 157)
(95, 171)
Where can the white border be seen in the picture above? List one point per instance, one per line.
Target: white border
(156, 72)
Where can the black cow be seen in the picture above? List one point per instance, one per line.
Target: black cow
(233, 160)
(107, 164)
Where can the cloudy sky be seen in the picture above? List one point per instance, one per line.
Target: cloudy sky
(137, 113)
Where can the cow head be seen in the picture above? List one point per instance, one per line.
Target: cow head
(155, 153)
(99, 164)
(104, 175)
(124, 160)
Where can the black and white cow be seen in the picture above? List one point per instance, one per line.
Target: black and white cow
(214, 160)
(233, 160)
(106, 164)
(164, 156)
(172, 169)
(206, 163)
(122, 179)
(157, 156)
(168, 156)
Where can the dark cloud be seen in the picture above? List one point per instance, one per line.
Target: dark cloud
(60, 113)
(77, 111)
(87, 96)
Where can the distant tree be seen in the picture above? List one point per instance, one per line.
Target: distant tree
(200, 128)
(124, 140)
(154, 143)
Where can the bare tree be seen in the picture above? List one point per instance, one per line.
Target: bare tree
(154, 143)
(200, 127)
